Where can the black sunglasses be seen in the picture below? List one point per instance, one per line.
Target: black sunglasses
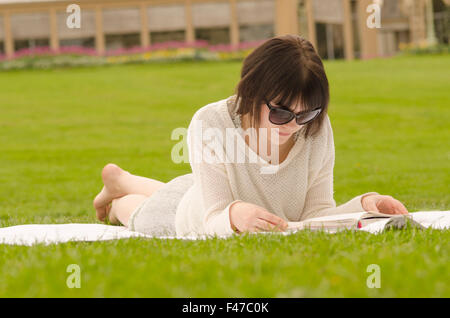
(281, 115)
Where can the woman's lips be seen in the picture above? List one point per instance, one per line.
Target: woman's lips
(283, 134)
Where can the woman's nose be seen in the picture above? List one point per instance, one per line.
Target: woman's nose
(292, 125)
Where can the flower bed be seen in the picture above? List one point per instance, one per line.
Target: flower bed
(44, 57)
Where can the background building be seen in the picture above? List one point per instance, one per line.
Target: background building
(336, 27)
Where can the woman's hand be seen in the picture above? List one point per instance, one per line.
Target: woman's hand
(383, 204)
(248, 217)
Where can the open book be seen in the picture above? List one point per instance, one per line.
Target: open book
(351, 221)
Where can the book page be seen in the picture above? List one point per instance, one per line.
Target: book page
(329, 220)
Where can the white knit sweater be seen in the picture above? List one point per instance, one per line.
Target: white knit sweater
(301, 188)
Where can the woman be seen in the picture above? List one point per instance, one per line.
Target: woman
(284, 93)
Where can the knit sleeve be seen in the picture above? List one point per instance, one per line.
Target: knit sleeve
(210, 178)
(319, 198)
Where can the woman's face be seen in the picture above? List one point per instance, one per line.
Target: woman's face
(286, 131)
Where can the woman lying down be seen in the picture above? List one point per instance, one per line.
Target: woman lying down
(279, 116)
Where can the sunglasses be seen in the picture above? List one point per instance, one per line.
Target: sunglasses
(281, 115)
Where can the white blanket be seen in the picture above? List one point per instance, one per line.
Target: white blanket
(30, 234)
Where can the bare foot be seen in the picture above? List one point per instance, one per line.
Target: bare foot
(111, 217)
(111, 175)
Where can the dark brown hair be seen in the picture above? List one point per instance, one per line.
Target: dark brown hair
(286, 69)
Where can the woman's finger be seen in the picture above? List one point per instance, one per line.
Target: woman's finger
(390, 205)
(370, 205)
(266, 226)
(395, 206)
(272, 218)
(401, 208)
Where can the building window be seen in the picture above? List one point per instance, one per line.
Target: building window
(88, 42)
(330, 40)
(402, 37)
(166, 36)
(116, 41)
(355, 31)
(441, 21)
(30, 43)
(213, 35)
(249, 33)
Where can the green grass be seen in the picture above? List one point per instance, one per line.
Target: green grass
(60, 127)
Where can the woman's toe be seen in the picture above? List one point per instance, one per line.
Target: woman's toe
(100, 203)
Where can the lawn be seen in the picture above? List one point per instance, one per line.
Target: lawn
(59, 127)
